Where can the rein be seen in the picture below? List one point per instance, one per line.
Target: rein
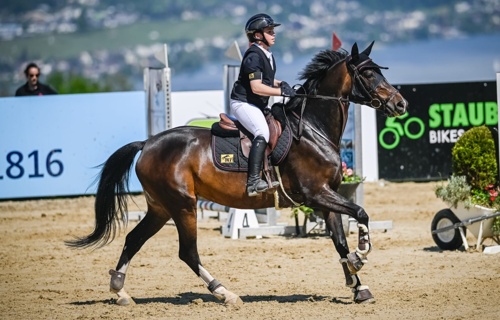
(300, 128)
(302, 122)
(300, 125)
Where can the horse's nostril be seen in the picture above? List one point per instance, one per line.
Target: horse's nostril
(402, 105)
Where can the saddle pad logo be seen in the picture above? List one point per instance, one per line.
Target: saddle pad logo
(227, 158)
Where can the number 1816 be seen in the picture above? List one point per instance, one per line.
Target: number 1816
(17, 165)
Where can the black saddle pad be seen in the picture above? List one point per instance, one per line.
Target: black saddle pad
(229, 157)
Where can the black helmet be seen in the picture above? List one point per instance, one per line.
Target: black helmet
(257, 23)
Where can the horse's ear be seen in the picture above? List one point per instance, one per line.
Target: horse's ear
(354, 50)
(368, 50)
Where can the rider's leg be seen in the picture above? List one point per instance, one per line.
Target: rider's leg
(254, 183)
(252, 118)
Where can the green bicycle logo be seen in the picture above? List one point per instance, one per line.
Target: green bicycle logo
(390, 136)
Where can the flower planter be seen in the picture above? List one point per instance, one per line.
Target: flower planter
(348, 190)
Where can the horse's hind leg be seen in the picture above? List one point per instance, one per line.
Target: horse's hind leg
(188, 252)
(334, 226)
(146, 228)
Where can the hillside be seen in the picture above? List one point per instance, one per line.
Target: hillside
(94, 38)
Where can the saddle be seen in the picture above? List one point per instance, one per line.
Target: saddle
(231, 143)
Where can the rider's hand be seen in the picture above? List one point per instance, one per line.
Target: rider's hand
(286, 90)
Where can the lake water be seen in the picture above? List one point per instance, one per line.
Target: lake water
(434, 61)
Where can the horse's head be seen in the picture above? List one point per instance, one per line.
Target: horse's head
(369, 86)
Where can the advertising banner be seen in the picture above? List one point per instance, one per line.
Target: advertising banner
(347, 144)
(53, 145)
(417, 146)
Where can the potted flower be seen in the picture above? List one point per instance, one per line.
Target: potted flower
(471, 191)
(347, 189)
(350, 182)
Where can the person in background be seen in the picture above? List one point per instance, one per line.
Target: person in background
(251, 92)
(33, 87)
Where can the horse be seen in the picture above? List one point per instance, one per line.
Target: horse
(176, 167)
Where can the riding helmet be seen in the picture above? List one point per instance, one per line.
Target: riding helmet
(257, 23)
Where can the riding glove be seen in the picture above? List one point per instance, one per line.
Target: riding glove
(286, 90)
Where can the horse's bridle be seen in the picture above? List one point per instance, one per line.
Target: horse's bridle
(360, 83)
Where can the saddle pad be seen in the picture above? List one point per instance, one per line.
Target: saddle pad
(228, 156)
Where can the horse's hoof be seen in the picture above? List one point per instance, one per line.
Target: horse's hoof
(362, 295)
(123, 298)
(232, 299)
(124, 301)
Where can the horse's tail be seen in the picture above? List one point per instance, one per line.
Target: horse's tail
(111, 197)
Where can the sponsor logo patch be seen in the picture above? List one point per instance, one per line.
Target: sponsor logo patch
(227, 158)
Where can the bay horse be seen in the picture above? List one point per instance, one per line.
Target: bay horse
(176, 167)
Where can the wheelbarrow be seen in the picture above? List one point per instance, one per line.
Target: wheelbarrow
(449, 226)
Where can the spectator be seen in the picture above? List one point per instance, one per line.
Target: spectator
(33, 87)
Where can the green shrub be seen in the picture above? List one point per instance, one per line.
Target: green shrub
(474, 156)
(456, 190)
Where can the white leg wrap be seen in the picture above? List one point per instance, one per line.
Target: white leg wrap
(364, 227)
(363, 253)
(204, 275)
(360, 288)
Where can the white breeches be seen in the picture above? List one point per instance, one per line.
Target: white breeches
(251, 118)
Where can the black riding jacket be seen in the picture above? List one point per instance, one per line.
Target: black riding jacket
(254, 65)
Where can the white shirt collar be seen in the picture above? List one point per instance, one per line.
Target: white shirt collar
(268, 54)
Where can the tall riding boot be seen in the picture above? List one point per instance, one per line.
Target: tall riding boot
(254, 183)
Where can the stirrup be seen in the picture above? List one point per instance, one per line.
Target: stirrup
(257, 187)
(271, 187)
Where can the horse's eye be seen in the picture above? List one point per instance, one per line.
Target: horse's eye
(369, 74)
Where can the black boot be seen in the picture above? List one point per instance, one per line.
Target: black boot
(254, 183)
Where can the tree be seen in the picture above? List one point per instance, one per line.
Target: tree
(75, 83)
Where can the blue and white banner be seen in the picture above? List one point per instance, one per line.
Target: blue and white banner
(52, 145)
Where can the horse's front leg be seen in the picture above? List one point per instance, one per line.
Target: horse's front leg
(335, 229)
(360, 256)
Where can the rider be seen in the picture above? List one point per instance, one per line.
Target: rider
(251, 92)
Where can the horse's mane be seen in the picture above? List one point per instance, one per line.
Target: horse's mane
(314, 72)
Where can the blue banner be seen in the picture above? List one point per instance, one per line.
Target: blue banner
(52, 145)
